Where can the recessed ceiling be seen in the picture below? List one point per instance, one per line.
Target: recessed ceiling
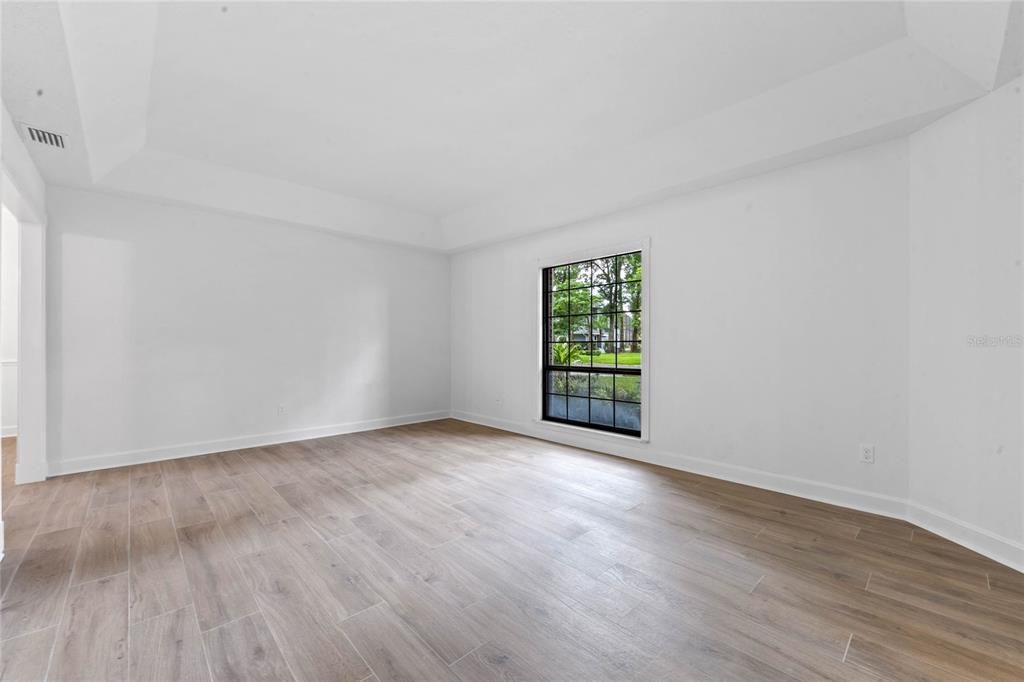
(431, 123)
(434, 106)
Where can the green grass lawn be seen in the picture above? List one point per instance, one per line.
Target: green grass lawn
(609, 359)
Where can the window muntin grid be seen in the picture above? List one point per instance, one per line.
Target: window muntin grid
(593, 349)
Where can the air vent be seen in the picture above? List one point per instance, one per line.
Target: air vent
(44, 136)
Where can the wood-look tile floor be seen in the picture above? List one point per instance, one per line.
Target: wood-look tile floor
(451, 551)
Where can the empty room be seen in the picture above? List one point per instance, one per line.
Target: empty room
(473, 341)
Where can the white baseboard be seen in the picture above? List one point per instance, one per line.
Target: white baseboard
(118, 459)
(995, 547)
(8, 431)
(29, 470)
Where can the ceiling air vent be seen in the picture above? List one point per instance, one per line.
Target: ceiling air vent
(43, 136)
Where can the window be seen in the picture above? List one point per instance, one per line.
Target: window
(592, 343)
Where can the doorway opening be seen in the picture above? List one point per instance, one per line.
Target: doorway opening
(10, 284)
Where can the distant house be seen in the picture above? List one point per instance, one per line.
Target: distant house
(623, 333)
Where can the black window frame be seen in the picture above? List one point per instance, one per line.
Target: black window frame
(548, 291)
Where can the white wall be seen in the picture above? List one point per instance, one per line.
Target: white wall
(174, 331)
(966, 411)
(9, 283)
(779, 320)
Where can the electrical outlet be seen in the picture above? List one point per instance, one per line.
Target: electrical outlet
(281, 411)
(867, 453)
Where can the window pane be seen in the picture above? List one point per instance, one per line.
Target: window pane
(628, 267)
(631, 296)
(605, 358)
(602, 298)
(627, 328)
(629, 354)
(613, 294)
(579, 301)
(631, 327)
(578, 275)
(558, 303)
(627, 387)
(560, 277)
(602, 328)
(556, 382)
(601, 412)
(584, 274)
(556, 406)
(615, 322)
(579, 354)
(558, 354)
(565, 354)
(627, 416)
(578, 384)
(580, 328)
(579, 409)
(604, 271)
(558, 329)
(601, 385)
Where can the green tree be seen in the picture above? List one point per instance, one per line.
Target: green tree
(571, 302)
(601, 288)
(605, 294)
(572, 295)
(632, 292)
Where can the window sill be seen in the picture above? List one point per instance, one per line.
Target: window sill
(556, 427)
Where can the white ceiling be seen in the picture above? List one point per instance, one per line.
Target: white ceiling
(434, 107)
(438, 120)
